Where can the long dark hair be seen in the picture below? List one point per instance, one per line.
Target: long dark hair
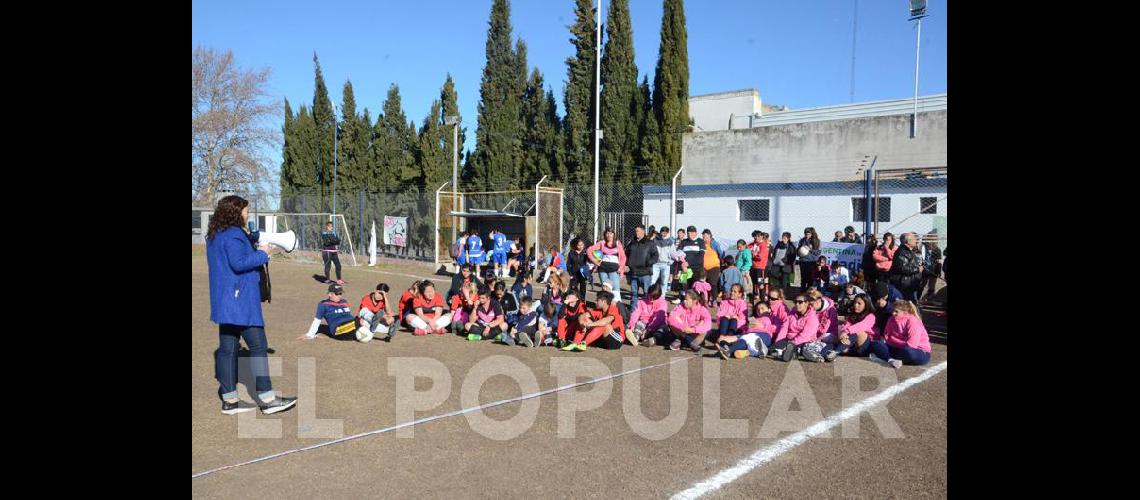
(868, 308)
(226, 214)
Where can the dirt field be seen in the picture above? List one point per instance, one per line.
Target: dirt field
(609, 454)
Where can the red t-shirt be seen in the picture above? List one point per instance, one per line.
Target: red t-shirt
(406, 303)
(596, 314)
(427, 306)
(759, 254)
(375, 307)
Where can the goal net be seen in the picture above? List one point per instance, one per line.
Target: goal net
(308, 228)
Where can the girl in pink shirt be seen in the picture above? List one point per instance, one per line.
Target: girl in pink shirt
(904, 341)
(732, 314)
(753, 343)
(777, 305)
(856, 332)
(689, 323)
(650, 316)
(801, 327)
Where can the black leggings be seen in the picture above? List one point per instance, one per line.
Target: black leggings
(331, 257)
(807, 269)
(579, 285)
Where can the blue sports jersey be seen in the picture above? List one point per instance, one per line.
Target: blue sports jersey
(500, 240)
(474, 247)
(338, 315)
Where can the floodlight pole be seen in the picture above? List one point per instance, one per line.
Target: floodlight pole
(673, 202)
(537, 219)
(437, 226)
(597, 114)
(335, 131)
(917, 49)
(454, 122)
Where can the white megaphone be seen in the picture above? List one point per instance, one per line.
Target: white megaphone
(286, 241)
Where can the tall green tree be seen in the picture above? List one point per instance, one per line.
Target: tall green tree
(323, 134)
(619, 97)
(579, 94)
(352, 147)
(671, 87)
(450, 100)
(288, 158)
(496, 138)
(649, 133)
(536, 132)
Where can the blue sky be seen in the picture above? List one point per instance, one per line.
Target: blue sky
(796, 52)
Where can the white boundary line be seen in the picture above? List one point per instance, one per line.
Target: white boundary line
(770, 452)
(442, 416)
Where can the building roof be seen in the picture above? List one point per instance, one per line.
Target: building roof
(855, 186)
(935, 102)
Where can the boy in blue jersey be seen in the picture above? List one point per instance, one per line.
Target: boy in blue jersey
(336, 312)
(475, 254)
(499, 252)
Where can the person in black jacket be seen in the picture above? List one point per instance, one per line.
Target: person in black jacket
(870, 272)
(808, 261)
(907, 268)
(640, 254)
(577, 267)
(780, 260)
(694, 248)
(329, 242)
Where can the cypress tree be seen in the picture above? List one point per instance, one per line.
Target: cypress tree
(323, 135)
(619, 97)
(671, 87)
(649, 134)
(450, 100)
(496, 138)
(579, 95)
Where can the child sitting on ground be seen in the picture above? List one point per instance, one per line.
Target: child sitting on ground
(374, 315)
(335, 312)
(568, 320)
(487, 321)
(527, 325)
(822, 274)
(756, 341)
(649, 317)
(463, 305)
(732, 313)
(547, 323)
(601, 325)
(689, 323)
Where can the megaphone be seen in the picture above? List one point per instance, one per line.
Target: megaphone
(286, 241)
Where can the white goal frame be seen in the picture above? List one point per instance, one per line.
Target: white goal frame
(332, 217)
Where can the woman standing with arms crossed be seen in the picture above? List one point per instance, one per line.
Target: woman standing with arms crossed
(235, 305)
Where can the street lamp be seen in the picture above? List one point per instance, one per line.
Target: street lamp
(336, 129)
(453, 120)
(917, 12)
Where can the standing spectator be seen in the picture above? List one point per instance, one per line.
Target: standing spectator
(608, 254)
(694, 257)
(577, 266)
(730, 276)
(808, 261)
(885, 255)
(641, 256)
(870, 273)
(838, 237)
(711, 258)
(907, 268)
(783, 256)
(329, 242)
(661, 268)
(758, 270)
(849, 236)
(932, 260)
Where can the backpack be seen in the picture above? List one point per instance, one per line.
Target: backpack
(454, 250)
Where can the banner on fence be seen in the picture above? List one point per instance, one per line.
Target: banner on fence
(396, 231)
(849, 255)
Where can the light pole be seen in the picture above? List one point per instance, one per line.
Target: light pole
(597, 115)
(917, 12)
(454, 122)
(336, 130)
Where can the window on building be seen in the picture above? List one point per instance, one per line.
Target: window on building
(753, 210)
(929, 205)
(859, 209)
(680, 206)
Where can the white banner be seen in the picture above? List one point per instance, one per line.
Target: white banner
(372, 246)
(849, 255)
(395, 231)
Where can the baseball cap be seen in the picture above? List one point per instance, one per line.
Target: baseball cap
(335, 288)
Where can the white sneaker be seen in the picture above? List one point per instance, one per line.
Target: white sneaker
(877, 359)
(896, 364)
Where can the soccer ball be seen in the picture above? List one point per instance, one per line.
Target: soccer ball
(804, 250)
(598, 254)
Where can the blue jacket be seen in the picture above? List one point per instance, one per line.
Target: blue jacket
(235, 291)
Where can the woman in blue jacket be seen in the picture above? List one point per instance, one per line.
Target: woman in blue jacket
(235, 305)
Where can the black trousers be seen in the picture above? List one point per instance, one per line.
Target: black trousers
(331, 258)
(807, 269)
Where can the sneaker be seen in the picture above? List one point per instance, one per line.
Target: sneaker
(831, 355)
(812, 356)
(440, 331)
(238, 407)
(675, 346)
(524, 339)
(649, 342)
(339, 281)
(789, 353)
(763, 349)
(419, 332)
(581, 347)
(474, 336)
(569, 347)
(723, 351)
(631, 336)
(896, 364)
(676, 301)
(277, 405)
(391, 333)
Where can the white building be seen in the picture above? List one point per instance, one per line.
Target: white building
(728, 110)
(810, 168)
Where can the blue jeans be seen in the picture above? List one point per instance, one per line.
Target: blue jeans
(226, 360)
(636, 282)
(908, 355)
(853, 349)
(614, 279)
(661, 275)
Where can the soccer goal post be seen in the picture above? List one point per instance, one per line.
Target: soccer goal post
(308, 227)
